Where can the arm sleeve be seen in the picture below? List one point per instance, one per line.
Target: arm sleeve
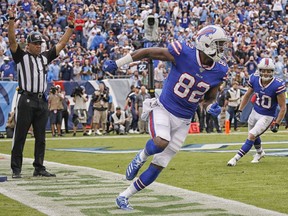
(18, 55)
(175, 48)
(50, 54)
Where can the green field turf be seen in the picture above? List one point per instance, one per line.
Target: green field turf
(263, 185)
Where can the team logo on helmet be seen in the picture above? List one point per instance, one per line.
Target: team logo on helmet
(206, 32)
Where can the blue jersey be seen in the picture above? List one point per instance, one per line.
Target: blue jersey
(188, 82)
(266, 97)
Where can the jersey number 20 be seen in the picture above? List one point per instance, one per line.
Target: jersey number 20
(185, 85)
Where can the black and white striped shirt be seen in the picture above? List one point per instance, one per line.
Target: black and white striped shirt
(32, 70)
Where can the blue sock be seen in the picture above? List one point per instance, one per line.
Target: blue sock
(257, 144)
(245, 148)
(257, 141)
(147, 177)
(151, 148)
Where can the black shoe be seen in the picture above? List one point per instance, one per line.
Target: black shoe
(16, 175)
(74, 134)
(43, 173)
(85, 134)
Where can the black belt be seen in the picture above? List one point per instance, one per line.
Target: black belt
(32, 94)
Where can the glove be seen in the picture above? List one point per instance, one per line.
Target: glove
(110, 66)
(214, 109)
(238, 115)
(274, 127)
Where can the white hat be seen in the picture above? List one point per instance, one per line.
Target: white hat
(6, 58)
(273, 45)
(98, 30)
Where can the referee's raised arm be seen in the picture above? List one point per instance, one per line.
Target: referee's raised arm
(11, 29)
(65, 38)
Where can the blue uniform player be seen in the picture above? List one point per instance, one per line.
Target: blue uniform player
(270, 92)
(195, 76)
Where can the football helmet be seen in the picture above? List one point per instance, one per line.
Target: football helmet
(212, 40)
(266, 68)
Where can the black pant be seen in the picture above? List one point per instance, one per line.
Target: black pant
(30, 110)
(65, 116)
(134, 123)
(211, 122)
(232, 116)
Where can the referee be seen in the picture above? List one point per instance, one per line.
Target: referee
(32, 106)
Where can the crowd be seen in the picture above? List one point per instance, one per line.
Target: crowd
(112, 29)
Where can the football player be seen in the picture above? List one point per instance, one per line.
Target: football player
(195, 75)
(270, 92)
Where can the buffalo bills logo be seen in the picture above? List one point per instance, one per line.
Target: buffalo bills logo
(206, 32)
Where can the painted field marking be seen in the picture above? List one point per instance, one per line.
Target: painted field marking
(86, 191)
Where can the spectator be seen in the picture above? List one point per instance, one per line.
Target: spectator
(142, 124)
(80, 114)
(79, 24)
(55, 70)
(277, 9)
(86, 73)
(55, 107)
(130, 105)
(251, 65)
(66, 71)
(9, 67)
(77, 68)
(233, 99)
(119, 122)
(279, 69)
(158, 74)
(98, 38)
(100, 100)
(135, 78)
(2, 56)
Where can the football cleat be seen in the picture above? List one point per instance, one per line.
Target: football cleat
(134, 167)
(232, 162)
(257, 157)
(123, 203)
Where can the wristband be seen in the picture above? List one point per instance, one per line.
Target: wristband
(124, 60)
(71, 26)
(11, 18)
